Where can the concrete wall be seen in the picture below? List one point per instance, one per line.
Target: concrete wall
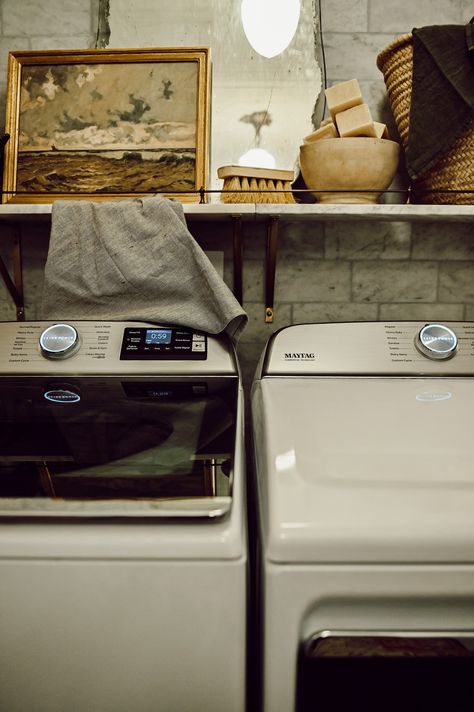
(333, 271)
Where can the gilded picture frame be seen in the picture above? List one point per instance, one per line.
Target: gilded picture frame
(107, 123)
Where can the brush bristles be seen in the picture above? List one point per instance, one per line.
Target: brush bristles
(232, 184)
(244, 190)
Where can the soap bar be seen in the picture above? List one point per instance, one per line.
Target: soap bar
(326, 121)
(381, 130)
(327, 131)
(343, 96)
(356, 121)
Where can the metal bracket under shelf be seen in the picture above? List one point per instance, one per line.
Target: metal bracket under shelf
(270, 267)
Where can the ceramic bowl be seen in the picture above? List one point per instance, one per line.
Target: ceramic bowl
(349, 170)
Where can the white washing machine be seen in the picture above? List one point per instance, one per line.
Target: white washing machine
(123, 553)
(364, 468)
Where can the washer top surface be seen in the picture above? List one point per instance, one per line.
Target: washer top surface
(363, 469)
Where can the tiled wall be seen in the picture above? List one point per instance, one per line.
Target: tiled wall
(333, 271)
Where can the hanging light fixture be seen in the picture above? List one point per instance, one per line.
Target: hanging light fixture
(270, 25)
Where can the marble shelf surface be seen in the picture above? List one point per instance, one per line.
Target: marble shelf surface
(293, 212)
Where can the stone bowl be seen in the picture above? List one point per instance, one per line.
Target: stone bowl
(349, 170)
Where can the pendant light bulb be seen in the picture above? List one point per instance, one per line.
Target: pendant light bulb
(270, 25)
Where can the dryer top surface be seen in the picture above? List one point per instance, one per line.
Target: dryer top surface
(365, 469)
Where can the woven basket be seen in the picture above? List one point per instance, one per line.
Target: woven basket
(445, 182)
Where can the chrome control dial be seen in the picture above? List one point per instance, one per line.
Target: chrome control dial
(59, 341)
(436, 341)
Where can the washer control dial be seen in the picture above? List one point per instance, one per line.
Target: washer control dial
(436, 341)
(59, 341)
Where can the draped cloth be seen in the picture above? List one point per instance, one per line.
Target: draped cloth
(134, 260)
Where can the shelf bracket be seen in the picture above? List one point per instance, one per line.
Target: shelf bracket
(15, 285)
(270, 267)
(238, 256)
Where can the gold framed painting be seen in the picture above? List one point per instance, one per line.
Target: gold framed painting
(108, 123)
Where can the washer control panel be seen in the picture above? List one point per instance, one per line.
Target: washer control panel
(162, 343)
(112, 348)
(436, 341)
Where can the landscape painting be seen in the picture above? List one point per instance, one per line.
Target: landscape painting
(103, 123)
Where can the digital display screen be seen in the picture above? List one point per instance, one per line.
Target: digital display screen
(158, 336)
(157, 343)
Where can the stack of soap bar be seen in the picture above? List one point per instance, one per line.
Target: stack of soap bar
(356, 121)
(349, 115)
(343, 96)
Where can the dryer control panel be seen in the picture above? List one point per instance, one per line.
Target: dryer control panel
(372, 348)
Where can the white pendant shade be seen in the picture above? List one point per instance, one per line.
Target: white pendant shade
(270, 25)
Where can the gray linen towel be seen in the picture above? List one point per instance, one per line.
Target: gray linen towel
(134, 260)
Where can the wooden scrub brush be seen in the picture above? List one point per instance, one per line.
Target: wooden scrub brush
(243, 184)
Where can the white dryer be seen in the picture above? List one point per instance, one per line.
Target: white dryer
(123, 553)
(364, 469)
